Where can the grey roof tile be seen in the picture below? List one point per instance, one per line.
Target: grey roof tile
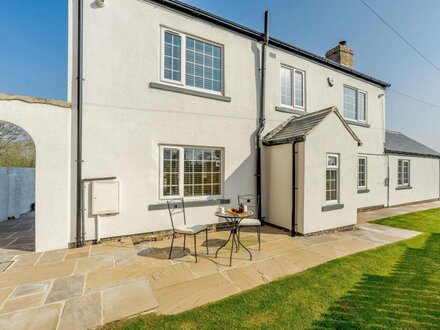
(396, 142)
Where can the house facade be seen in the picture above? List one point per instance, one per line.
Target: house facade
(171, 100)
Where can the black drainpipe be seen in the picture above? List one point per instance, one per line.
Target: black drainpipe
(293, 232)
(79, 192)
(261, 117)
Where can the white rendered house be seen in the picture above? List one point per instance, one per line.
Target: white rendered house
(168, 100)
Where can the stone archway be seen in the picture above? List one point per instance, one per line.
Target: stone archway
(17, 190)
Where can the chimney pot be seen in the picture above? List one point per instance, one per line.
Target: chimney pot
(341, 54)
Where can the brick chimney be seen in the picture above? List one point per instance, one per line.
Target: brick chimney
(341, 54)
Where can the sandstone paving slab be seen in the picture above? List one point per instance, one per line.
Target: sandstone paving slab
(4, 294)
(402, 233)
(45, 317)
(52, 256)
(109, 278)
(170, 275)
(37, 273)
(31, 288)
(81, 313)
(246, 277)
(384, 238)
(275, 268)
(94, 263)
(127, 300)
(194, 293)
(328, 251)
(25, 260)
(205, 266)
(156, 259)
(65, 288)
(305, 259)
(23, 303)
(77, 255)
(353, 245)
(281, 246)
(5, 265)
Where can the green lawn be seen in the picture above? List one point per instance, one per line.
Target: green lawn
(395, 286)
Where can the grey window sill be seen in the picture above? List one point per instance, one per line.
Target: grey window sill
(188, 91)
(164, 206)
(404, 188)
(332, 207)
(290, 110)
(363, 191)
(357, 123)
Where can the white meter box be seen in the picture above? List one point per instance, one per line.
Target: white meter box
(105, 197)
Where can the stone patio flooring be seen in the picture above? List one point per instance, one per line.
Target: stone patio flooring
(87, 287)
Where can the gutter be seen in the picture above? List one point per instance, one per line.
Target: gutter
(261, 115)
(253, 34)
(79, 160)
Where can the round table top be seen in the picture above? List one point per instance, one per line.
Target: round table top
(235, 216)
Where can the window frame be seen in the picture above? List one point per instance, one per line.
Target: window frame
(181, 188)
(293, 70)
(334, 168)
(403, 184)
(364, 187)
(358, 91)
(182, 81)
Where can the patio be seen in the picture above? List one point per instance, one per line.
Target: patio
(90, 286)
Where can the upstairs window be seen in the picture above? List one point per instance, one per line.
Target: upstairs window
(354, 104)
(191, 62)
(403, 172)
(190, 172)
(292, 87)
(332, 179)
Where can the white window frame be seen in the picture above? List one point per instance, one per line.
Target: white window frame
(292, 88)
(358, 91)
(332, 167)
(182, 83)
(403, 184)
(364, 187)
(181, 149)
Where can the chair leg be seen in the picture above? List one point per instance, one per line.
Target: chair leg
(238, 237)
(207, 250)
(259, 238)
(171, 248)
(195, 247)
(184, 241)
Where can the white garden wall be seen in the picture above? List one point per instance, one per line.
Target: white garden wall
(17, 191)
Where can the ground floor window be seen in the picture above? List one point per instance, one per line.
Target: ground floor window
(332, 179)
(362, 172)
(190, 172)
(403, 172)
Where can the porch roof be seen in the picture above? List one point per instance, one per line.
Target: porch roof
(297, 128)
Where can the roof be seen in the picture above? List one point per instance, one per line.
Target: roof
(297, 128)
(398, 143)
(30, 99)
(253, 34)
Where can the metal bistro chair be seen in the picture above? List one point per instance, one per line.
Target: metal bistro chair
(252, 203)
(175, 207)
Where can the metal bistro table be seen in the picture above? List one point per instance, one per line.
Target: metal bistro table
(233, 221)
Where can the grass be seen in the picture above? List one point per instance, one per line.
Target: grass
(394, 286)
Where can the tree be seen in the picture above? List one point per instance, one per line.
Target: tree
(16, 147)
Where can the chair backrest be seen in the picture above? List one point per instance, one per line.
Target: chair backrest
(251, 201)
(176, 208)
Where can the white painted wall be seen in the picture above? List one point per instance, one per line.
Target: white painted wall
(424, 180)
(17, 191)
(330, 136)
(125, 120)
(49, 127)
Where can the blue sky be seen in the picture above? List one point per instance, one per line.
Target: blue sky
(33, 51)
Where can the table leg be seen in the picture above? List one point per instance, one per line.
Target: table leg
(240, 243)
(224, 244)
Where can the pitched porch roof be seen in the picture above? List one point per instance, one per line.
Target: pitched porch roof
(297, 128)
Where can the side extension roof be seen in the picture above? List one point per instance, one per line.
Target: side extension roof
(398, 143)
